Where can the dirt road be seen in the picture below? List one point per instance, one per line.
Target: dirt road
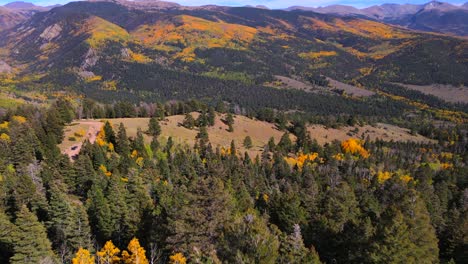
(93, 130)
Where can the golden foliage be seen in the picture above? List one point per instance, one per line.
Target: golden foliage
(138, 57)
(354, 146)
(108, 254)
(317, 55)
(80, 133)
(338, 156)
(301, 159)
(139, 161)
(177, 258)
(109, 85)
(383, 176)
(83, 257)
(19, 119)
(192, 33)
(94, 78)
(105, 171)
(4, 125)
(135, 253)
(406, 178)
(102, 30)
(450, 115)
(5, 137)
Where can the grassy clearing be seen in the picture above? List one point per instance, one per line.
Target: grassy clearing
(448, 93)
(259, 131)
(380, 131)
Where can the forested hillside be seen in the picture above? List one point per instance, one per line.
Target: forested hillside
(83, 181)
(123, 201)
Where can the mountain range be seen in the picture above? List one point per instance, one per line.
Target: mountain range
(153, 50)
(433, 16)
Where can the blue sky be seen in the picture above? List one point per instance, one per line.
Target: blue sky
(269, 3)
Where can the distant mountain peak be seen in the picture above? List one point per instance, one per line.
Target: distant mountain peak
(21, 5)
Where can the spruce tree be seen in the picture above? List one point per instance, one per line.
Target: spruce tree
(247, 142)
(99, 213)
(30, 241)
(230, 122)
(109, 133)
(393, 243)
(154, 129)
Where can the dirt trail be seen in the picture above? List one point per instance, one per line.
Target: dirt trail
(93, 130)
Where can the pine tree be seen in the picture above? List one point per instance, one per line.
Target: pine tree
(293, 250)
(30, 241)
(249, 240)
(7, 229)
(211, 116)
(199, 221)
(84, 176)
(154, 129)
(203, 139)
(188, 122)
(233, 148)
(124, 224)
(285, 144)
(247, 142)
(135, 253)
(230, 122)
(122, 145)
(109, 133)
(422, 233)
(99, 214)
(394, 243)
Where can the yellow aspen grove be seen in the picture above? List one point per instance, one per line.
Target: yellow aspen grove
(177, 258)
(354, 146)
(135, 253)
(83, 257)
(108, 254)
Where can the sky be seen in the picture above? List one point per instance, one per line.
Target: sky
(268, 3)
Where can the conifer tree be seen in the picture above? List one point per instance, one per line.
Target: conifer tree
(99, 214)
(249, 240)
(199, 221)
(30, 241)
(230, 122)
(188, 122)
(247, 142)
(211, 116)
(293, 250)
(394, 244)
(7, 229)
(154, 129)
(122, 145)
(109, 133)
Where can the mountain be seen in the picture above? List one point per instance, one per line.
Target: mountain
(10, 18)
(332, 9)
(108, 50)
(15, 13)
(391, 11)
(433, 16)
